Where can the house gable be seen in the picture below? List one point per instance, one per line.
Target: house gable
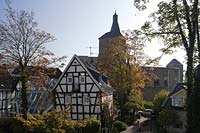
(178, 98)
(78, 87)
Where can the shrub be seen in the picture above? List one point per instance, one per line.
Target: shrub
(166, 119)
(120, 126)
(54, 121)
(148, 105)
(93, 126)
(159, 99)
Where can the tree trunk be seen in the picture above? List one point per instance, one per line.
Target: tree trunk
(189, 76)
(24, 96)
(195, 103)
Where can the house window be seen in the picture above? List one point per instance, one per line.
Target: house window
(69, 80)
(86, 100)
(82, 79)
(176, 101)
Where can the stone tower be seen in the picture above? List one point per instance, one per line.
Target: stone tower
(107, 39)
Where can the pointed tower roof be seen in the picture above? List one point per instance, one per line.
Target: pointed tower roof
(115, 30)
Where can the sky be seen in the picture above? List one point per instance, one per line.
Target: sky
(77, 24)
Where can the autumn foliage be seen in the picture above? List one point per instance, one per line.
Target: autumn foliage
(124, 71)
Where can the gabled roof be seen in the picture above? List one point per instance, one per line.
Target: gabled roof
(92, 72)
(174, 62)
(177, 88)
(115, 30)
(168, 101)
(91, 63)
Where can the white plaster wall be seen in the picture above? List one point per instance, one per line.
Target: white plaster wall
(95, 88)
(58, 107)
(62, 100)
(93, 94)
(63, 80)
(92, 108)
(75, 62)
(58, 89)
(69, 88)
(92, 100)
(80, 116)
(86, 109)
(64, 88)
(80, 109)
(71, 69)
(89, 80)
(80, 69)
(87, 116)
(97, 109)
(73, 100)
(74, 109)
(57, 100)
(82, 88)
(88, 87)
(74, 116)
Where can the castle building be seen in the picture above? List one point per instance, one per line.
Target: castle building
(106, 40)
(164, 77)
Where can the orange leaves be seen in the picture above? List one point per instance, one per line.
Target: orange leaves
(117, 62)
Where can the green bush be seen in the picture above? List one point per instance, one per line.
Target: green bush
(159, 99)
(51, 122)
(93, 126)
(148, 105)
(167, 118)
(120, 126)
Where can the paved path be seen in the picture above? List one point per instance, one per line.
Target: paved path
(134, 129)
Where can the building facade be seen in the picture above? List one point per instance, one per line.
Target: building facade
(84, 88)
(162, 78)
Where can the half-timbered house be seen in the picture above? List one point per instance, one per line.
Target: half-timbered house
(39, 99)
(84, 87)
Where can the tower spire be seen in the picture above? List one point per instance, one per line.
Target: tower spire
(115, 26)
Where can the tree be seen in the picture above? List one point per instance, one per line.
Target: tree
(195, 101)
(23, 45)
(159, 99)
(120, 61)
(177, 23)
(166, 119)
